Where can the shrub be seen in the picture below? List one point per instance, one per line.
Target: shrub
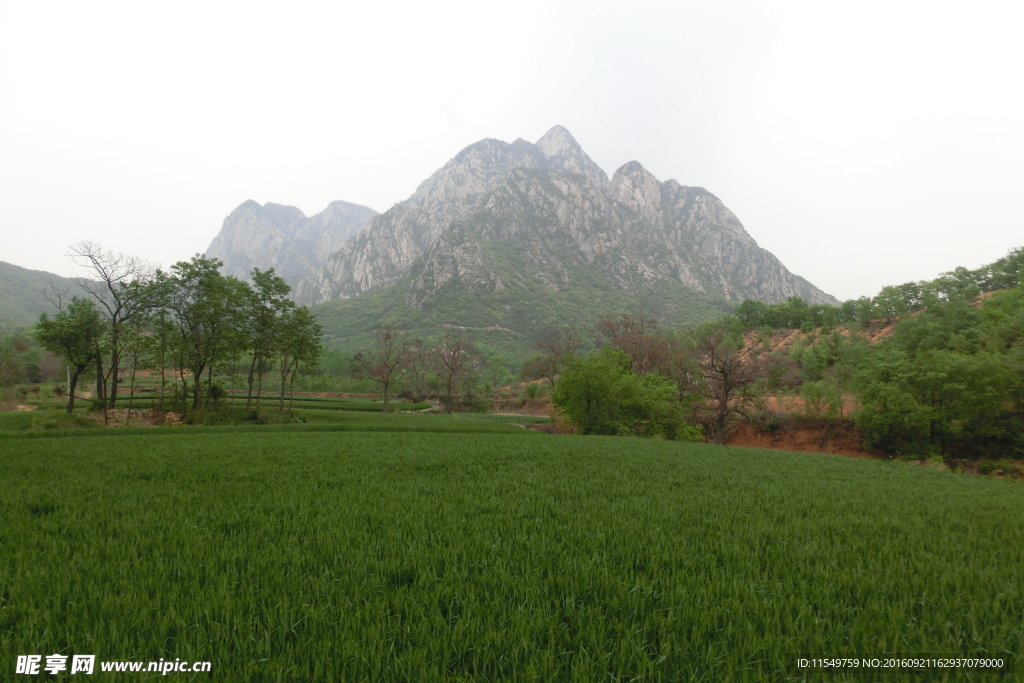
(601, 395)
(52, 419)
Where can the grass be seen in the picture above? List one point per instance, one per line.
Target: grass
(304, 555)
(15, 420)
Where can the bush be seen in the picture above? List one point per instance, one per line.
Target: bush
(52, 419)
(223, 415)
(601, 395)
(1006, 468)
(215, 392)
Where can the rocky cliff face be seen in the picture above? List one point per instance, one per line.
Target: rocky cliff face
(384, 252)
(501, 216)
(283, 238)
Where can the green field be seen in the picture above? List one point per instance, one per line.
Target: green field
(470, 549)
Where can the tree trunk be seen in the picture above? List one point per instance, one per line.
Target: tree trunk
(209, 383)
(252, 372)
(723, 412)
(163, 383)
(197, 382)
(259, 386)
(284, 380)
(100, 398)
(291, 386)
(386, 388)
(115, 361)
(131, 386)
(71, 390)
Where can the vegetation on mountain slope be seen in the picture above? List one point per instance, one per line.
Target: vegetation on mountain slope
(21, 295)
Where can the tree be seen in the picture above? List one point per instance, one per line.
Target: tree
(266, 308)
(728, 378)
(12, 367)
(601, 394)
(497, 371)
(73, 334)
(119, 288)
(298, 342)
(455, 362)
(634, 335)
(390, 353)
(557, 349)
(208, 311)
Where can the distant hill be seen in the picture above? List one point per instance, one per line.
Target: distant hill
(21, 295)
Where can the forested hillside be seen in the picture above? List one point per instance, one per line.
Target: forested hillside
(945, 374)
(21, 295)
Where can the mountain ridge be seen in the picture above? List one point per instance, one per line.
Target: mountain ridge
(284, 238)
(631, 212)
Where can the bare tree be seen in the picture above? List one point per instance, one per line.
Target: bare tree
(455, 361)
(119, 287)
(416, 371)
(390, 353)
(728, 381)
(556, 349)
(635, 335)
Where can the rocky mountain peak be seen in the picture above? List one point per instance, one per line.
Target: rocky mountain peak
(555, 215)
(284, 238)
(558, 141)
(563, 153)
(637, 188)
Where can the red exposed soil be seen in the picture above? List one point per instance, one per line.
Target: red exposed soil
(805, 436)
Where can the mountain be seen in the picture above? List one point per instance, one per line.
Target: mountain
(21, 295)
(507, 239)
(284, 238)
(556, 209)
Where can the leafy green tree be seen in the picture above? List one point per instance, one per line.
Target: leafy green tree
(266, 308)
(752, 313)
(12, 364)
(209, 313)
(297, 343)
(73, 334)
(601, 394)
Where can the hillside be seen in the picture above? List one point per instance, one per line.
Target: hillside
(21, 295)
(506, 322)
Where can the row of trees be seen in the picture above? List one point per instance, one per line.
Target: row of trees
(190, 320)
(648, 381)
(890, 303)
(948, 381)
(450, 368)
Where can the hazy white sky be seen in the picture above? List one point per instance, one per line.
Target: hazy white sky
(862, 143)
